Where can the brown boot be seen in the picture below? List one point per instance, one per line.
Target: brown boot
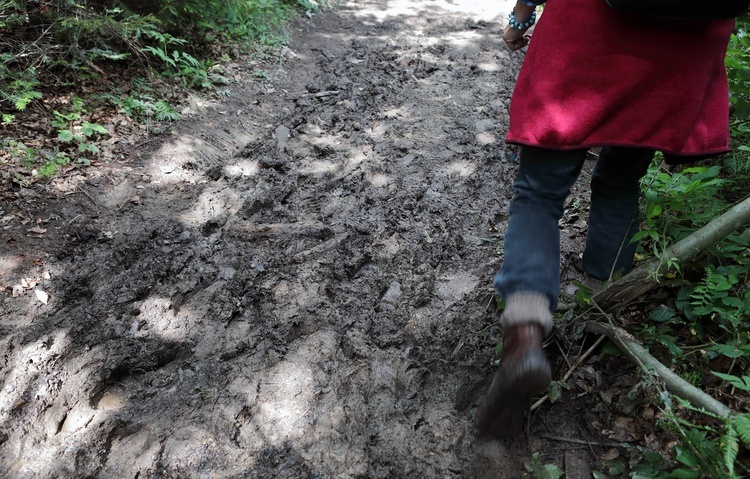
(524, 372)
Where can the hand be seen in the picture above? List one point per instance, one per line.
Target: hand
(515, 39)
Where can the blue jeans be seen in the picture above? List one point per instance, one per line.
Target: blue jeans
(532, 241)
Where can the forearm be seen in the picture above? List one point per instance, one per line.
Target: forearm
(523, 11)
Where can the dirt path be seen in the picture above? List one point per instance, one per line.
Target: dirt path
(296, 283)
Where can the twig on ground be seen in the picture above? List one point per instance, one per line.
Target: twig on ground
(321, 94)
(580, 441)
(575, 365)
(88, 196)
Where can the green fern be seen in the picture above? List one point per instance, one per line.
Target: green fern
(731, 447)
(742, 383)
(741, 424)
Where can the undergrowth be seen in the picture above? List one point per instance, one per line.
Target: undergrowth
(702, 328)
(175, 43)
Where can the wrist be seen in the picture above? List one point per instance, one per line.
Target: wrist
(522, 18)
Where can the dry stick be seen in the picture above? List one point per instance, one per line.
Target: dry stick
(645, 277)
(88, 196)
(582, 441)
(675, 384)
(575, 365)
(321, 94)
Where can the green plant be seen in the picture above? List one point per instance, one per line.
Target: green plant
(233, 20)
(142, 106)
(69, 132)
(675, 204)
(707, 450)
(88, 131)
(44, 162)
(18, 88)
(537, 470)
(738, 72)
(53, 162)
(12, 14)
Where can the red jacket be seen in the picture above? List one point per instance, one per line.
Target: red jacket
(595, 77)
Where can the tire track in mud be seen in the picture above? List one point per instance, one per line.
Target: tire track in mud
(298, 286)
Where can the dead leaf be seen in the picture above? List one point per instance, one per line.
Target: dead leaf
(611, 455)
(41, 296)
(46, 275)
(17, 290)
(624, 429)
(37, 230)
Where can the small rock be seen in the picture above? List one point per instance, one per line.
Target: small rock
(393, 294)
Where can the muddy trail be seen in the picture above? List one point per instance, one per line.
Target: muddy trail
(296, 282)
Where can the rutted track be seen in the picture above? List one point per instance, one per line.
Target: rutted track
(296, 284)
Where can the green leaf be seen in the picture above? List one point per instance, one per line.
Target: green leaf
(611, 349)
(732, 301)
(671, 345)
(684, 474)
(686, 456)
(731, 447)
(653, 211)
(555, 391)
(661, 314)
(741, 423)
(65, 135)
(741, 383)
(727, 350)
(552, 472)
(616, 468)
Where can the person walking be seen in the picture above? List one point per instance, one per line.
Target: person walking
(592, 77)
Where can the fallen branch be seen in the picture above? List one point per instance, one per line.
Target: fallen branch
(674, 384)
(645, 277)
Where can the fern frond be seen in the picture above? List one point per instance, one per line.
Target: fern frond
(741, 424)
(731, 447)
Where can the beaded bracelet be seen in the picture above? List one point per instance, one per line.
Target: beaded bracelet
(521, 25)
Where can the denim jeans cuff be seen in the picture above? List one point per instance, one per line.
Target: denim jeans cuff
(527, 307)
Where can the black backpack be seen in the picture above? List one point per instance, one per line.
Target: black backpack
(682, 9)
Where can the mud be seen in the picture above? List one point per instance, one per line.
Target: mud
(295, 283)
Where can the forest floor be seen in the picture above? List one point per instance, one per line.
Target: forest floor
(295, 281)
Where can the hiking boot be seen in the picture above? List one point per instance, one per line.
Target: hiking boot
(524, 372)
